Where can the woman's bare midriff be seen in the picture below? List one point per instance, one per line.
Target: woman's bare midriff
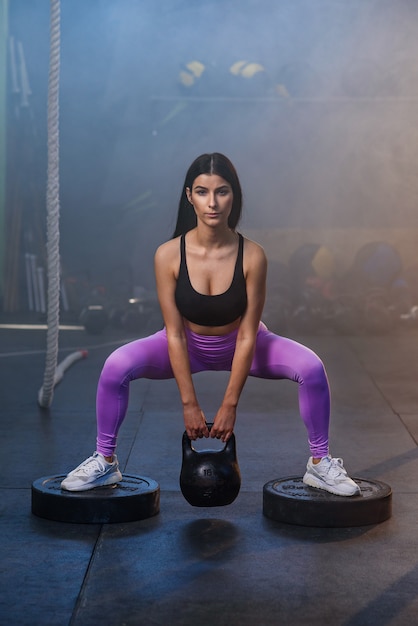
(215, 331)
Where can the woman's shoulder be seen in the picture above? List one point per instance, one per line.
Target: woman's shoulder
(253, 248)
(168, 249)
(255, 260)
(167, 258)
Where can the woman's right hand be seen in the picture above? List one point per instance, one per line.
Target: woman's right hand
(195, 423)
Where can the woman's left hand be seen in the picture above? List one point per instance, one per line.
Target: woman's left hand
(224, 422)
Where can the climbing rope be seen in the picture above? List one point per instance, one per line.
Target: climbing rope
(53, 208)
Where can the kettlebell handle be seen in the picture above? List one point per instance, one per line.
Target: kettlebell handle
(230, 444)
(229, 447)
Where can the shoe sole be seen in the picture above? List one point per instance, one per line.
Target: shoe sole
(311, 481)
(110, 480)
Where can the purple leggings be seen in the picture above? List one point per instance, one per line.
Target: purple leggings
(275, 358)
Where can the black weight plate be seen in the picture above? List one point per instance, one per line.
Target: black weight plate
(290, 501)
(134, 498)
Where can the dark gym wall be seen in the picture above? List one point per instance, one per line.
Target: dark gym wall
(323, 130)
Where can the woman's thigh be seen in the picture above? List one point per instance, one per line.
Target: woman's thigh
(144, 358)
(278, 357)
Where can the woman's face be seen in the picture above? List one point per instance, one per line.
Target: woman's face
(212, 197)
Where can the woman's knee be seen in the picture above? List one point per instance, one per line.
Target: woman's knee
(313, 371)
(116, 367)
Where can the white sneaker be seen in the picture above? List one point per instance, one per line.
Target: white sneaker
(93, 472)
(329, 474)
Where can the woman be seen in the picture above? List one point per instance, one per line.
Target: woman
(211, 288)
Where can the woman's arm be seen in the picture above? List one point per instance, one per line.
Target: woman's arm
(255, 269)
(166, 260)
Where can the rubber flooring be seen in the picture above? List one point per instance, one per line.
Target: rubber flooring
(210, 566)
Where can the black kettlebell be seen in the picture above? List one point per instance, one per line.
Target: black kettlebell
(209, 477)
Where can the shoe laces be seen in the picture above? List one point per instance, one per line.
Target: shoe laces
(93, 463)
(335, 468)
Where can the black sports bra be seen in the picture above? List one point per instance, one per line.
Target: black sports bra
(217, 310)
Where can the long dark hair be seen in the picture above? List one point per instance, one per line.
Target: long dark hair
(219, 165)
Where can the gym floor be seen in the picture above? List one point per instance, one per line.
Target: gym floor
(210, 566)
